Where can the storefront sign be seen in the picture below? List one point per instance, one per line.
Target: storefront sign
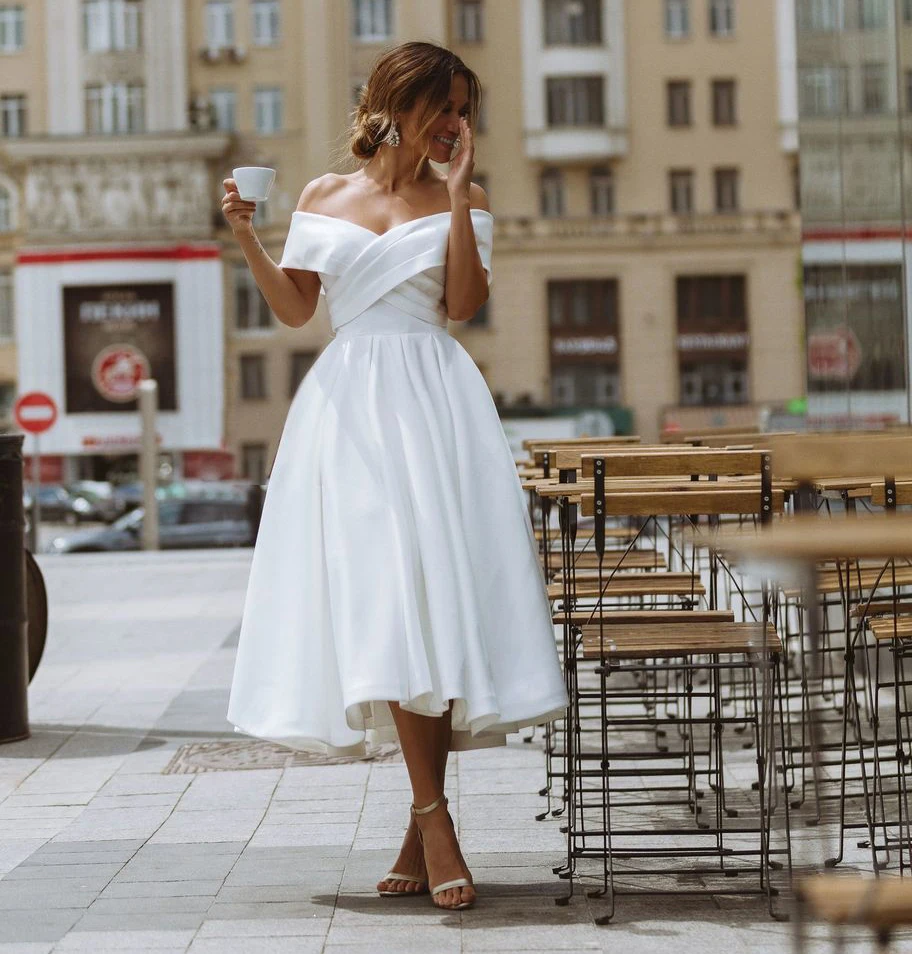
(584, 345)
(714, 341)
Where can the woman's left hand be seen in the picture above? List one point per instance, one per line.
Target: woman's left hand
(462, 164)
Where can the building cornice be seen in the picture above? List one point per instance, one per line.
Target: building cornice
(208, 145)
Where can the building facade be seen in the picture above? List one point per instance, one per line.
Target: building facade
(640, 159)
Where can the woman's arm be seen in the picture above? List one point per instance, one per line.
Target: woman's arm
(466, 286)
(293, 294)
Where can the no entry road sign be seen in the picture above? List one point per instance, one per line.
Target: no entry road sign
(35, 412)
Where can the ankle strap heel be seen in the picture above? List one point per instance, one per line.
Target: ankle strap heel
(429, 808)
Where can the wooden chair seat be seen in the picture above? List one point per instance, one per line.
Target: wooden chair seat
(635, 584)
(830, 581)
(636, 617)
(635, 560)
(878, 903)
(650, 640)
(885, 628)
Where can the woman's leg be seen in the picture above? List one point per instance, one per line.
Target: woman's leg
(425, 742)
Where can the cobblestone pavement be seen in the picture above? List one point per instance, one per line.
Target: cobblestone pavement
(103, 848)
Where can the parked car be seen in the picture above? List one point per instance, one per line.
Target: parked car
(95, 500)
(193, 521)
(56, 505)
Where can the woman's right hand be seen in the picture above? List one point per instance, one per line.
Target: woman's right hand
(238, 213)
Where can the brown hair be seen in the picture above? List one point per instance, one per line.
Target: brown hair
(410, 74)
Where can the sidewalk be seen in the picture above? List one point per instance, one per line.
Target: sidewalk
(104, 846)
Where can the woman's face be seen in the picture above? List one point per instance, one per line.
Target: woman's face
(445, 127)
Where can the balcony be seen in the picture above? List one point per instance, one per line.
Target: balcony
(223, 54)
(576, 143)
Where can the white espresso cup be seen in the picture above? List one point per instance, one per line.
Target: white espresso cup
(254, 182)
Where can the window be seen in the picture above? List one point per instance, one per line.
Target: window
(874, 87)
(713, 339)
(727, 199)
(677, 19)
(219, 24)
(300, 363)
(224, 109)
(372, 20)
(481, 123)
(253, 462)
(481, 179)
(573, 22)
(575, 100)
(6, 210)
(551, 188)
(601, 191)
(267, 110)
(115, 108)
(908, 87)
(583, 326)
(681, 191)
(872, 14)
(250, 307)
(482, 317)
(823, 91)
(907, 11)
(723, 103)
(722, 17)
(796, 185)
(12, 115)
(12, 29)
(111, 25)
(253, 377)
(678, 94)
(7, 400)
(469, 21)
(821, 16)
(7, 327)
(266, 23)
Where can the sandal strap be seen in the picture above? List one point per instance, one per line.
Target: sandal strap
(395, 876)
(429, 808)
(455, 883)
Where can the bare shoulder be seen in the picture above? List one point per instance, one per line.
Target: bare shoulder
(318, 190)
(478, 198)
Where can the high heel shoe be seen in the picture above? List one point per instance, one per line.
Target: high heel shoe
(456, 882)
(396, 876)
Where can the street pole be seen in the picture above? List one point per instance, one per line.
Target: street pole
(36, 503)
(148, 462)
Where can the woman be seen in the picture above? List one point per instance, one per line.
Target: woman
(395, 589)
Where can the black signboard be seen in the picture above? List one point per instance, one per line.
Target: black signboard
(114, 337)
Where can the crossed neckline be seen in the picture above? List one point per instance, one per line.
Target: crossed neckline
(392, 228)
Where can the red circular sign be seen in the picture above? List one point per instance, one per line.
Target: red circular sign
(35, 412)
(117, 371)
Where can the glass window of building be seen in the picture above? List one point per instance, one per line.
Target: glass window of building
(111, 25)
(681, 191)
(253, 462)
(573, 22)
(224, 108)
(601, 191)
(727, 189)
(300, 362)
(722, 17)
(267, 110)
(823, 91)
(372, 20)
(677, 19)
(678, 98)
(584, 334)
(251, 310)
(6, 210)
(12, 28)
(7, 322)
(874, 87)
(724, 107)
(907, 11)
(821, 16)
(266, 22)
(115, 108)
(12, 115)
(469, 21)
(873, 14)
(253, 377)
(713, 339)
(907, 86)
(551, 193)
(219, 24)
(575, 100)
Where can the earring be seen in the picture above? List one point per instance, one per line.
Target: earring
(392, 137)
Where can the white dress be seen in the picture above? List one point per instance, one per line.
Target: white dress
(395, 558)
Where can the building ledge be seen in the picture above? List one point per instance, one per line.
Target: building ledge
(203, 145)
(576, 143)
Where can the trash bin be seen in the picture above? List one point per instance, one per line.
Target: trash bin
(14, 654)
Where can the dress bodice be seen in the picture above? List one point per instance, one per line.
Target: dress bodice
(386, 281)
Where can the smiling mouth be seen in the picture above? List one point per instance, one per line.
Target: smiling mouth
(445, 141)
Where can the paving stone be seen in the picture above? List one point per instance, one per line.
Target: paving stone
(257, 945)
(19, 926)
(265, 927)
(88, 942)
(150, 905)
(161, 889)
